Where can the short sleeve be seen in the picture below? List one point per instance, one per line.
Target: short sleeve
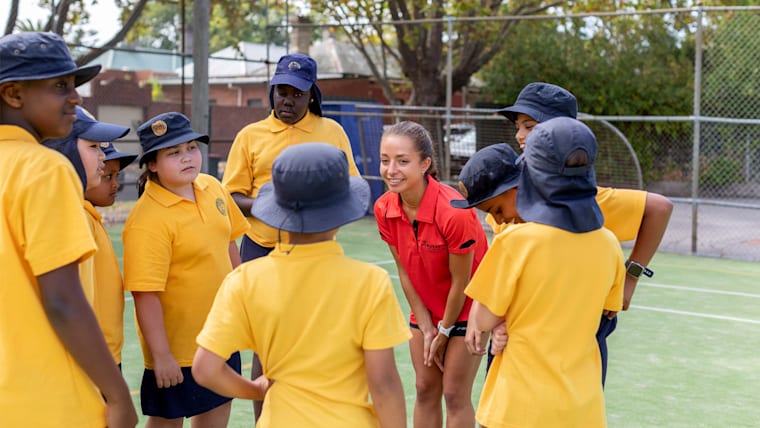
(238, 223)
(386, 326)
(238, 173)
(383, 225)
(623, 210)
(614, 301)
(462, 230)
(147, 257)
(499, 266)
(55, 230)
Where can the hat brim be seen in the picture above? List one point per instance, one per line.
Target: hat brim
(104, 132)
(125, 159)
(178, 139)
(501, 188)
(313, 219)
(511, 113)
(81, 75)
(291, 80)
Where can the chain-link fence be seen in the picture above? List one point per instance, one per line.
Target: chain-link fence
(703, 154)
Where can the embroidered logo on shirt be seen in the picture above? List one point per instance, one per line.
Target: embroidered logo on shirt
(430, 246)
(220, 206)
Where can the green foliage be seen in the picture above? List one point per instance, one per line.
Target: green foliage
(716, 172)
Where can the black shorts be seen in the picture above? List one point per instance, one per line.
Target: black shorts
(184, 400)
(460, 328)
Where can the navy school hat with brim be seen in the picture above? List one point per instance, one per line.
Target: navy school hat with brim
(552, 193)
(164, 131)
(299, 71)
(311, 191)
(490, 172)
(112, 153)
(542, 101)
(37, 56)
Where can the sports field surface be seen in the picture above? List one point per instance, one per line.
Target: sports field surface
(684, 355)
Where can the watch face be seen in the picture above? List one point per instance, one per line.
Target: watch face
(635, 269)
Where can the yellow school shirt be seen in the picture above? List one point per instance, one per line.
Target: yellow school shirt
(180, 249)
(42, 228)
(308, 312)
(109, 286)
(551, 287)
(623, 210)
(249, 164)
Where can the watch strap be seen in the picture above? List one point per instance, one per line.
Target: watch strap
(445, 331)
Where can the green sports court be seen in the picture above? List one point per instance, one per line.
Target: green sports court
(684, 355)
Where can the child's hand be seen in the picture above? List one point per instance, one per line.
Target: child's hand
(499, 339)
(167, 371)
(262, 385)
(474, 339)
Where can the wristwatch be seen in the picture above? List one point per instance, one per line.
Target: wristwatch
(636, 269)
(444, 331)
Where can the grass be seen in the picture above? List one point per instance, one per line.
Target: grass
(684, 355)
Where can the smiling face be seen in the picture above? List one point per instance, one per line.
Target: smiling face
(93, 160)
(290, 104)
(524, 124)
(104, 194)
(503, 208)
(46, 108)
(401, 164)
(177, 166)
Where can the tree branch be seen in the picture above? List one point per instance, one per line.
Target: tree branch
(118, 37)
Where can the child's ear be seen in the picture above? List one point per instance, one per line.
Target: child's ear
(10, 92)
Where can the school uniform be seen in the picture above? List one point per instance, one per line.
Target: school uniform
(309, 312)
(424, 247)
(551, 295)
(42, 228)
(180, 249)
(249, 164)
(108, 303)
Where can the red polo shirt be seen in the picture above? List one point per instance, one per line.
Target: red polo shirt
(441, 230)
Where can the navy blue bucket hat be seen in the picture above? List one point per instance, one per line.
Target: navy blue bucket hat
(112, 153)
(552, 193)
(164, 131)
(37, 56)
(542, 101)
(311, 191)
(490, 172)
(88, 128)
(299, 71)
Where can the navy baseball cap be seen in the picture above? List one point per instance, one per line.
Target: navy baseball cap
(542, 101)
(299, 71)
(311, 191)
(37, 56)
(551, 192)
(166, 130)
(490, 172)
(112, 153)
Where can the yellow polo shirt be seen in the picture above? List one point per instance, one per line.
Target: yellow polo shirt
(308, 312)
(551, 295)
(249, 164)
(42, 228)
(180, 249)
(109, 285)
(623, 210)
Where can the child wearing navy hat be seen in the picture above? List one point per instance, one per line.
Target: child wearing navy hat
(549, 294)
(109, 282)
(296, 118)
(630, 214)
(283, 305)
(179, 243)
(51, 347)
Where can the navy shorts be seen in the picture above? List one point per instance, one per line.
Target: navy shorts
(250, 250)
(460, 328)
(184, 400)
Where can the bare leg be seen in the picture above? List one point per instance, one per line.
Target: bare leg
(459, 371)
(428, 411)
(217, 417)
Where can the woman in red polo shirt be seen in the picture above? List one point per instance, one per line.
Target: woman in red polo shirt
(437, 249)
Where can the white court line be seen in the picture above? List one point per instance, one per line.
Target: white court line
(696, 314)
(700, 290)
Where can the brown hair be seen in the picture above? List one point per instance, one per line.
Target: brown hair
(146, 174)
(578, 157)
(420, 136)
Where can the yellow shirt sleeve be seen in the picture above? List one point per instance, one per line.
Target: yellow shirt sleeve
(623, 210)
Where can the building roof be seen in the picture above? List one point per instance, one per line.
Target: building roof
(157, 60)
